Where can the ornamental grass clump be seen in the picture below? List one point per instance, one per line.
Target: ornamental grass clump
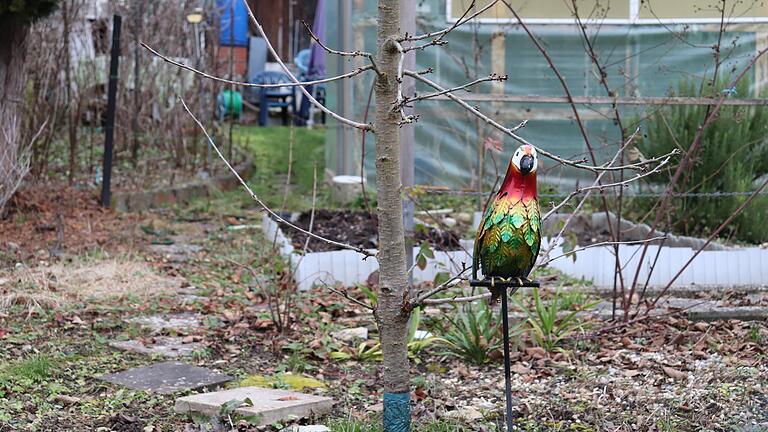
(474, 334)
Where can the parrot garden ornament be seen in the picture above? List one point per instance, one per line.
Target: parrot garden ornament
(509, 235)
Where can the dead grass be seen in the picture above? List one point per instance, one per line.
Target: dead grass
(54, 285)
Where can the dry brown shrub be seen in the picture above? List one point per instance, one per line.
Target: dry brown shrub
(82, 280)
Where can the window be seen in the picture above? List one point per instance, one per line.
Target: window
(703, 10)
(616, 11)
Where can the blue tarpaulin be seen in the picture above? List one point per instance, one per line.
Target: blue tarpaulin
(234, 22)
(317, 60)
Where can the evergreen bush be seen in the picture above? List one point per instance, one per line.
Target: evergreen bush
(732, 158)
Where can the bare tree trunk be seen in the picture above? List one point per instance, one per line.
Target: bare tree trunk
(14, 163)
(138, 21)
(391, 315)
(72, 110)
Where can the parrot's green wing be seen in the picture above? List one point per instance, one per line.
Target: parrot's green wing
(533, 232)
(479, 241)
(508, 238)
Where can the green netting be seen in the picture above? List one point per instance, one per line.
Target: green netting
(647, 60)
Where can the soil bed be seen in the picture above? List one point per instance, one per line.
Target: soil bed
(357, 228)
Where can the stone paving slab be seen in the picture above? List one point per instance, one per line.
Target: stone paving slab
(269, 405)
(166, 346)
(743, 313)
(192, 298)
(688, 290)
(177, 252)
(695, 310)
(307, 428)
(166, 322)
(167, 377)
(350, 334)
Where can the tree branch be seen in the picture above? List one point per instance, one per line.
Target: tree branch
(399, 103)
(640, 166)
(258, 200)
(622, 183)
(247, 84)
(348, 297)
(709, 240)
(697, 139)
(456, 299)
(596, 182)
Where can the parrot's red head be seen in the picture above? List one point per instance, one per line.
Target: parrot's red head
(520, 181)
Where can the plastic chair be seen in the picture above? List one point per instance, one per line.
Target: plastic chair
(283, 97)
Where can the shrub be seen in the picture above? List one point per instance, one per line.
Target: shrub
(474, 334)
(732, 156)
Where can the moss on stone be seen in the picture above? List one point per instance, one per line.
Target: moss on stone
(288, 380)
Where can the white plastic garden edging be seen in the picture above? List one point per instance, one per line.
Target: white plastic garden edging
(733, 267)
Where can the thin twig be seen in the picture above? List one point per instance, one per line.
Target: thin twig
(436, 42)
(399, 103)
(362, 155)
(622, 183)
(329, 50)
(615, 236)
(581, 203)
(347, 296)
(258, 200)
(697, 139)
(420, 299)
(456, 299)
(491, 77)
(605, 243)
(461, 21)
(709, 240)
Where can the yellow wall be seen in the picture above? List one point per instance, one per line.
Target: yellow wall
(615, 9)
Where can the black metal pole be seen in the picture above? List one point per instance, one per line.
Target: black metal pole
(506, 285)
(507, 372)
(109, 129)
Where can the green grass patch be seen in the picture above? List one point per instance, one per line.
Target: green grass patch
(36, 368)
(374, 424)
(271, 146)
(271, 149)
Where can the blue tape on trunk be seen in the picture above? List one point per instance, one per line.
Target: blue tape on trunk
(397, 412)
